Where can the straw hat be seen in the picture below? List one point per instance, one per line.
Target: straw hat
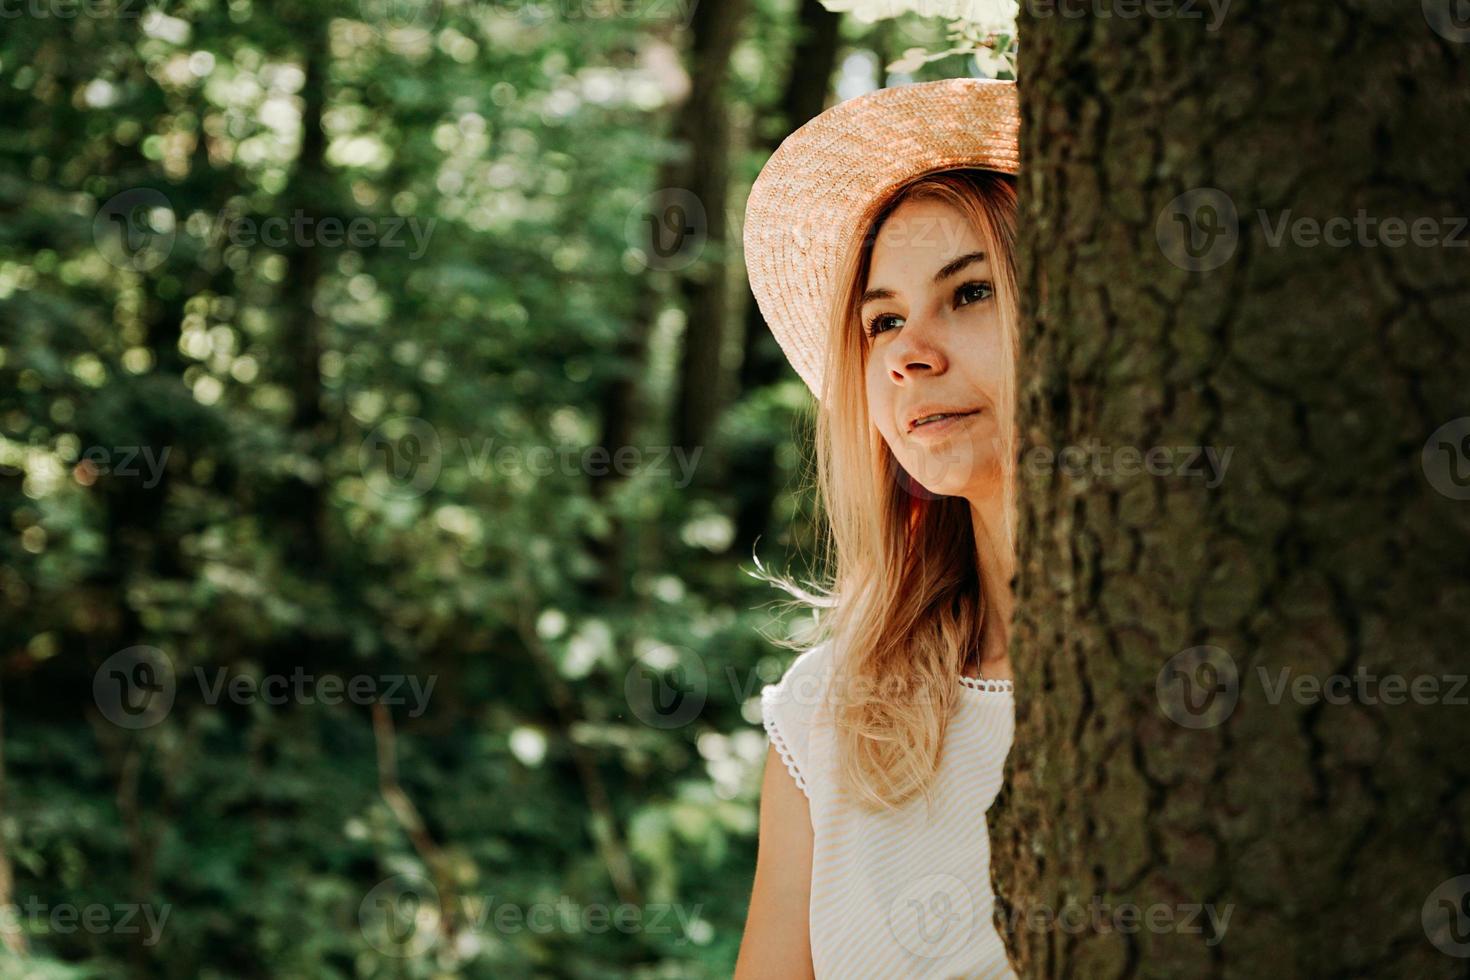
(823, 185)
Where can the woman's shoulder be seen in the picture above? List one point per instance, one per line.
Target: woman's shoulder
(808, 676)
(795, 709)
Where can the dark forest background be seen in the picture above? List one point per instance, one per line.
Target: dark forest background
(405, 346)
(388, 442)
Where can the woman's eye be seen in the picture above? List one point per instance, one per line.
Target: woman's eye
(973, 292)
(882, 323)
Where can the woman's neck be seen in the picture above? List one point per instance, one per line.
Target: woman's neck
(995, 552)
(996, 559)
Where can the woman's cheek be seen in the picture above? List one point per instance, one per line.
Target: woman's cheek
(879, 408)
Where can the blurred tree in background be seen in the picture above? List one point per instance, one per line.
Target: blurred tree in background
(405, 345)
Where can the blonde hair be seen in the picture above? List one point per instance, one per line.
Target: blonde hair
(905, 606)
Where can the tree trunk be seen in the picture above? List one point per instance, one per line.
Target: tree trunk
(705, 129)
(700, 126)
(1158, 762)
(303, 502)
(753, 463)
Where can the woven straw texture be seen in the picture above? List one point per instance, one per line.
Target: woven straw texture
(822, 186)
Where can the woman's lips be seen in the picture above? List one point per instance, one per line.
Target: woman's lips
(940, 428)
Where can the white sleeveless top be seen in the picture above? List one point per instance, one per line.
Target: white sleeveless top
(901, 893)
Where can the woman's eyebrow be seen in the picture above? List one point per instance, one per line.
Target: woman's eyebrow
(950, 268)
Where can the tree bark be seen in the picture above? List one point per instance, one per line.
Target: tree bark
(701, 128)
(13, 939)
(753, 464)
(303, 501)
(1334, 546)
(705, 129)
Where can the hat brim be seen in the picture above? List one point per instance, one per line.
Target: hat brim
(821, 188)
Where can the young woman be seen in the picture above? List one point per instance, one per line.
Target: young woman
(879, 242)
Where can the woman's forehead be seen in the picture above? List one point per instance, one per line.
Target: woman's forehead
(921, 234)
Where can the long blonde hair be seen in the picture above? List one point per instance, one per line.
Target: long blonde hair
(905, 604)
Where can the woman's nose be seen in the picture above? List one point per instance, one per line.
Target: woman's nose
(915, 353)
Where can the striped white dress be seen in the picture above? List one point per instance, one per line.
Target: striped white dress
(901, 893)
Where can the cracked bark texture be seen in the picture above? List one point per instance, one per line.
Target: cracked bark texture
(1323, 827)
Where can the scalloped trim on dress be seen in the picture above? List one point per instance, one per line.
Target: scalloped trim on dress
(995, 685)
(768, 721)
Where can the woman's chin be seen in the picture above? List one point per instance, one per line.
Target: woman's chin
(954, 471)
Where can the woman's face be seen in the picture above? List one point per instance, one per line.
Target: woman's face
(935, 347)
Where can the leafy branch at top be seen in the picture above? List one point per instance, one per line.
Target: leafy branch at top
(982, 29)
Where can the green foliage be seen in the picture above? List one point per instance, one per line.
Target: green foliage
(207, 448)
(310, 321)
(982, 31)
